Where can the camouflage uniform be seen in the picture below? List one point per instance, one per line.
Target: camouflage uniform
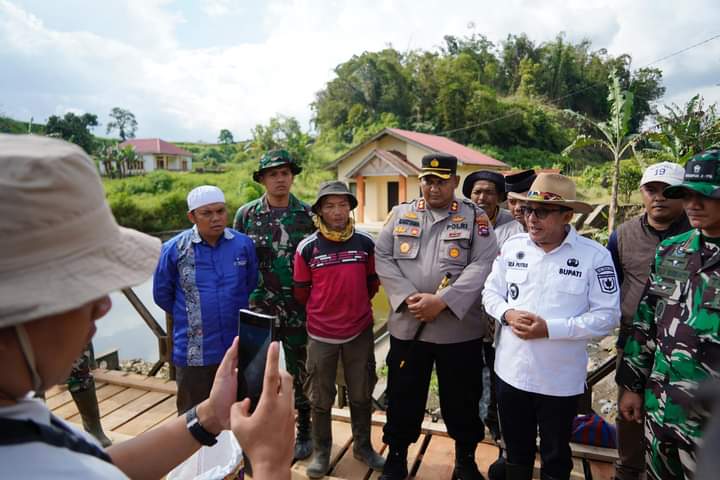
(80, 378)
(675, 345)
(276, 234)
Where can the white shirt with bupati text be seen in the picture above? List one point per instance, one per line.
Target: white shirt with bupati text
(573, 288)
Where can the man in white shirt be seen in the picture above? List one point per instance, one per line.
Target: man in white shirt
(552, 290)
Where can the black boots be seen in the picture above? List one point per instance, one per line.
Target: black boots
(465, 466)
(320, 464)
(303, 440)
(322, 443)
(396, 464)
(362, 447)
(87, 404)
(496, 471)
(518, 472)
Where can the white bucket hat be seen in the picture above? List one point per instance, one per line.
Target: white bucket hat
(60, 244)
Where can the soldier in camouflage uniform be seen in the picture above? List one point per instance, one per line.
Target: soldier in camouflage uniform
(675, 342)
(277, 222)
(82, 388)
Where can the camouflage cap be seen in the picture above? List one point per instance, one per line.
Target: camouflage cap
(702, 175)
(276, 158)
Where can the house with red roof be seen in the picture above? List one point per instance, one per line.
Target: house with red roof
(383, 171)
(157, 154)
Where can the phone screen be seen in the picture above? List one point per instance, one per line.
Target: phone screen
(255, 332)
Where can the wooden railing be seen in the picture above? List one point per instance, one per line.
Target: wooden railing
(164, 340)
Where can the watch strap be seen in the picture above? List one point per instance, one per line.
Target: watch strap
(197, 430)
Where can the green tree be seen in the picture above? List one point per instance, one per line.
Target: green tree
(281, 132)
(73, 128)
(226, 137)
(124, 122)
(684, 131)
(612, 137)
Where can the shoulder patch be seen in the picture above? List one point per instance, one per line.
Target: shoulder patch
(607, 279)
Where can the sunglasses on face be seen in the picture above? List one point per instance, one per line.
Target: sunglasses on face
(540, 212)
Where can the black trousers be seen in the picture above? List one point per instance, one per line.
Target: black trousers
(193, 385)
(522, 414)
(459, 382)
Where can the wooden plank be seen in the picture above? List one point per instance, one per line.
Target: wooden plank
(134, 380)
(350, 467)
(342, 436)
(485, 455)
(69, 409)
(54, 390)
(594, 453)
(150, 418)
(58, 400)
(438, 460)
(133, 409)
(602, 470)
(413, 456)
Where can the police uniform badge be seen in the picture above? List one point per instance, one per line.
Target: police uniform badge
(607, 279)
(421, 204)
(454, 207)
(400, 229)
(483, 225)
(454, 252)
(457, 219)
(404, 247)
(411, 215)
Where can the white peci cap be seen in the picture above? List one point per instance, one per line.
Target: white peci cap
(204, 195)
(665, 172)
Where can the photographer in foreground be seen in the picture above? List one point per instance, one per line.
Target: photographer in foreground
(63, 254)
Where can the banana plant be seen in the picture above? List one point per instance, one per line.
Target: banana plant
(612, 136)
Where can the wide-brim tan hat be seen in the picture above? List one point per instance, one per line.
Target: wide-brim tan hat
(60, 244)
(553, 189)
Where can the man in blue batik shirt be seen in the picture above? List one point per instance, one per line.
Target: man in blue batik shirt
(204, 276)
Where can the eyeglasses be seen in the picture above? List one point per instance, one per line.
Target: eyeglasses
(540, 212)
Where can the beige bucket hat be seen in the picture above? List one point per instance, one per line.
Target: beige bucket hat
(553, 189)
(60, 245)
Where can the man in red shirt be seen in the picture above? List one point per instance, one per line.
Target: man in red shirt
(334, 277)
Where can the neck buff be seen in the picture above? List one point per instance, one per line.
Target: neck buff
(333, 235)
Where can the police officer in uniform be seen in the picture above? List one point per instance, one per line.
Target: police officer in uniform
(432, 257)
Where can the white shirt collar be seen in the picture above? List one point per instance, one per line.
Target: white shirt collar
(570, 239)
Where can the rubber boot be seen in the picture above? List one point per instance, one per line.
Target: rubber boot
(303, 440)
(320, 465)
(465, 466)
(518, 472)
(362, 447)
(396, 464)
(322, 442)
(87, 404)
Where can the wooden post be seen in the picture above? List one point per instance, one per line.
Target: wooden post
(361, 198)
(402, 187)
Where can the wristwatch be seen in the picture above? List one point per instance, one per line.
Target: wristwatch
(503, 320)
(197, 430)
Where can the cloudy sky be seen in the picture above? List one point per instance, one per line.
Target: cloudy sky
(188, 68)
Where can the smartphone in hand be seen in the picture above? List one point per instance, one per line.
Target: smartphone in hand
(255, 332)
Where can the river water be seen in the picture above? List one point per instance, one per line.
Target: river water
(123, 329)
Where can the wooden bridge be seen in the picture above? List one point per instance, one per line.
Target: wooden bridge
(131, 404)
